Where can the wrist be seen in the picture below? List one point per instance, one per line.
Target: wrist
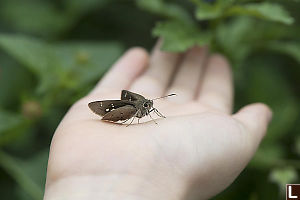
(115, 186)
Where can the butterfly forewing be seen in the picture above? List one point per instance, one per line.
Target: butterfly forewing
(103, 107)
(122, 113)
(130, 96)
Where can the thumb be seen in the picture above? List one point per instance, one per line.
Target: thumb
(255, 118)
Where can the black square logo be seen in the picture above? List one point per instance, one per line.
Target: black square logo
(293, 191)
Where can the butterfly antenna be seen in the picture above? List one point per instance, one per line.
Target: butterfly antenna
(164, 96)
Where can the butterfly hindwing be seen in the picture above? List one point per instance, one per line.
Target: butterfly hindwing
(131, 96)
(103, 107)
(122, 113)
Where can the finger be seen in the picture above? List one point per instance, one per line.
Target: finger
(188, 75)
(255, 118)
(124, 71)
(155, 80)
(216, 89)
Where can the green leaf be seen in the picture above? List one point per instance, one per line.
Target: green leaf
(178, 37)
(165, 9)
(11, 90)
(208, 11)
(261, 75)
(283, 176)
(266, 10)
(12, 166)
(22, 15)
(8, 121)
(31, 52)
(79, 7)
(35, 168)
(284, 106)
(267, 156)
(11, 126)
(289, 48)
(36, 55)
(297, 145)
(234, 40)
(233, 37)
(83, 62)
(61, 65)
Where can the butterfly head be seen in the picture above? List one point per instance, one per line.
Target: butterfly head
(148, 104)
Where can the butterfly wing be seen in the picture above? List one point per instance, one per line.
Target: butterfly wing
(122, 113)
(103, 107)
(131, 96)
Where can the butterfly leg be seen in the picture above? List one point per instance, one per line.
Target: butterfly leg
(125, 121)
(133, 118)
(131, 121)
(158, 113)
(152, 118)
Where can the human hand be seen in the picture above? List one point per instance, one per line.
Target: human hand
(196, 152)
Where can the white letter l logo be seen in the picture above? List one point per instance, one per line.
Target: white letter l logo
(290, 193)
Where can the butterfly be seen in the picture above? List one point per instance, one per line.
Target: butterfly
(130, 106)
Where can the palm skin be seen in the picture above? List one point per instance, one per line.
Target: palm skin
(196, 152)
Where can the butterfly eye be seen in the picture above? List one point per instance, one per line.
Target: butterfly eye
(146, 105)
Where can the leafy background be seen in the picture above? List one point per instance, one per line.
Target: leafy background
(53, 51)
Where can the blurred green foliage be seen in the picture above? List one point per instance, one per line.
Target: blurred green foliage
(52, 52)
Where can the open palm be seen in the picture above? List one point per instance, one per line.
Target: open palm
(196, 152)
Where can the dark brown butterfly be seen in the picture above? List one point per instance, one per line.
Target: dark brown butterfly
(130, 106)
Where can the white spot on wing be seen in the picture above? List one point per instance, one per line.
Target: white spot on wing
(100, 104)
(107, 109)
